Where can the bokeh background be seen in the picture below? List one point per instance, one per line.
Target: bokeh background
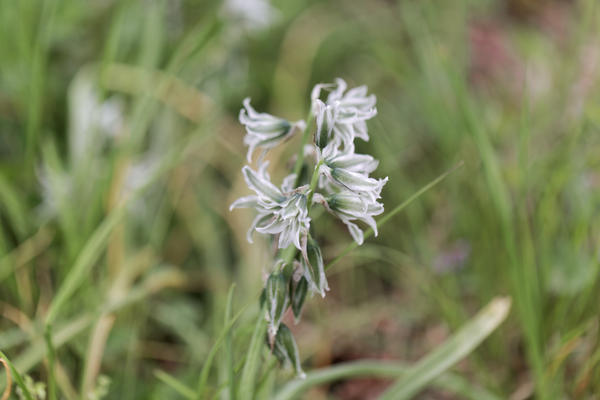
(120, 153)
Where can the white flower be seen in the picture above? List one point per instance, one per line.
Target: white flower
(265, 130)
(92, 121)
(342, 117)
(253, 14)
(350, 171)
(348, 206)
(56, 189)
(280, 211)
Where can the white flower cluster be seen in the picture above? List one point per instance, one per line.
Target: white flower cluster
(347, 190)
(341, 183)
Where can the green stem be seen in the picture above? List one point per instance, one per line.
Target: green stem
(313, 184)
(300, 155)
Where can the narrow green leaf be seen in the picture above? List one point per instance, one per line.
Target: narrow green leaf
(95, 245)
(251, 365)
(228, 353)
(51, 361)
(17, 377)
(84, 262)
(175, 384)
(211, 355)
(14, 208)
(383, 220)
(452, 351)
(377, 368)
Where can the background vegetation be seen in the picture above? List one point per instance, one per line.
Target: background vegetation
(120, 153)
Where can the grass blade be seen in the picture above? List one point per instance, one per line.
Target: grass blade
(95, 245)
(16, 376)
(51, 362)
(228, 353)
(248, 380)
(211, 355)
(388, 216)
(377, 368)
(175, 384)
(86, 259)
(452, 351)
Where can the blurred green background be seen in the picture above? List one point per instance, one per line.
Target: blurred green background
(120, 153)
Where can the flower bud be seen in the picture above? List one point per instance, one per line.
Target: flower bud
(314, 269)
(286, 350)
(276, 299)
(298, 292)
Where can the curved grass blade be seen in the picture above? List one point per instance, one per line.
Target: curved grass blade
(175, 384)
(17, 377)
(377, 368)
(369, 232)
(449, 353)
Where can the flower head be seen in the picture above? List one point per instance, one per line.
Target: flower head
(264, 130)
(251, 14)
(350, 171)
(349, 207)
(280, 211)
(342, 117)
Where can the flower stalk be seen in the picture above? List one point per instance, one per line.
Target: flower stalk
(340, 182)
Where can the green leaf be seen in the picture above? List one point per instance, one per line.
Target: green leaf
(211, 355)
(377, 368)
(175, 384)
(17, 377)
(388, 216)
(452, 351)
(248, 379)
(228, 353)
(51, 352)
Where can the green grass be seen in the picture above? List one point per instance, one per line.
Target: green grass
(118, 255)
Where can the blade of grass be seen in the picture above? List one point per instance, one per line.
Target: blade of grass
(17, 377)
(37, 350)
(37, 86)
(381, 369)
(51, 362)
(8, 387)
(14, 208)
(25, 252)
(453, 350)
(95, 245)
(175, 384)
(84, 262)
(248, 379)
(392, 213)
(211, 355)
(228, 350)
